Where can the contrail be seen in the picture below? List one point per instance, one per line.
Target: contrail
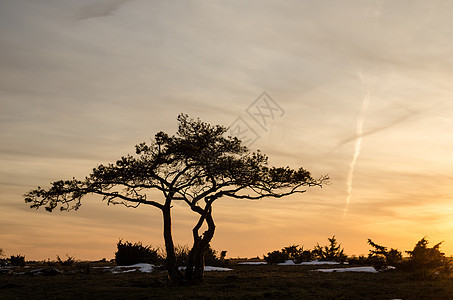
(359, 133)
(376, 12)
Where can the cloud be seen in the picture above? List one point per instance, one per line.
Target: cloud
(100, 9)
(411, 113)
(379, 128)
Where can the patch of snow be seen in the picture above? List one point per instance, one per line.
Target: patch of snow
(356, 269)
(216, 269)
(317, 262)
(309, 263)
(253, 263)
(119, 271)
(142, 267)
(289, 262)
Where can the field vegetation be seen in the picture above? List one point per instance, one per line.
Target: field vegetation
(424, 274)
(245, 281)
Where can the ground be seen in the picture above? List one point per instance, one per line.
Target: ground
(244, 282)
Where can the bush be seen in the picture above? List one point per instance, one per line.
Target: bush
(17, 260)
(83, 267)
(428, 262)
(331, 252)
(298, 254)
(211, 258)
(130, 254)
(357, 260)
(294, 252)
(379, 257)
(394, 257)
(182, 255)
(276, 257)
(3, 261)
(68, 262)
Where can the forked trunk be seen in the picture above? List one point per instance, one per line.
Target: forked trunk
(195, 265)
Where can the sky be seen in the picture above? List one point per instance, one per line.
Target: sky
(360, 90)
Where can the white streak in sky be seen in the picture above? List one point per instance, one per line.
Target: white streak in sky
(359, 133)
(374, 16)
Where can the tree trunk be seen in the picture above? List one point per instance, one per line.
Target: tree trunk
(172, 267)
(195, 266)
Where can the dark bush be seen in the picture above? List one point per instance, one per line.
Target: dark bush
(428, 262)
(83, 267)
(298, 254)
(130, 254)
(378, 262)
(379, 257)
(3, 261)
(331, 252)
(182, 255)
(294, 252)
(276, 257)
(358, 260)
(394, 257)
(17, 260)
(69, 261)
(211, 258)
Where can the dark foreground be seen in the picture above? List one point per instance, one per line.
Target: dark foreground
(245, 282)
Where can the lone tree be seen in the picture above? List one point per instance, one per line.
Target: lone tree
(198, 165)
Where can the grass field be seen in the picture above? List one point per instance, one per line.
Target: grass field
(244, 282)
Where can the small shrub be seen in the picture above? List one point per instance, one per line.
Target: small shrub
(331, 252)
(276, 257)
(379, 257)
(182, 255)
(83, 267)
(211, 258)
(394, 257)
(298, 254)
(294, 252)
(68, 262)
(358, 260)
(130, 254)
(17, 260)
(428, 262)
(48, 262)
(3, 261)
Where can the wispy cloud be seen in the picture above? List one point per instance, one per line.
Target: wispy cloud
(100, 9)
(379, 128)
(409, 115)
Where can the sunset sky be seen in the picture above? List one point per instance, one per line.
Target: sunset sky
(365, 91)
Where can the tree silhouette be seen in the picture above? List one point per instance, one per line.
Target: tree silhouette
(197, 166)
(332, 252)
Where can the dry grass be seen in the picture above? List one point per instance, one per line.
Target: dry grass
(245, 282)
